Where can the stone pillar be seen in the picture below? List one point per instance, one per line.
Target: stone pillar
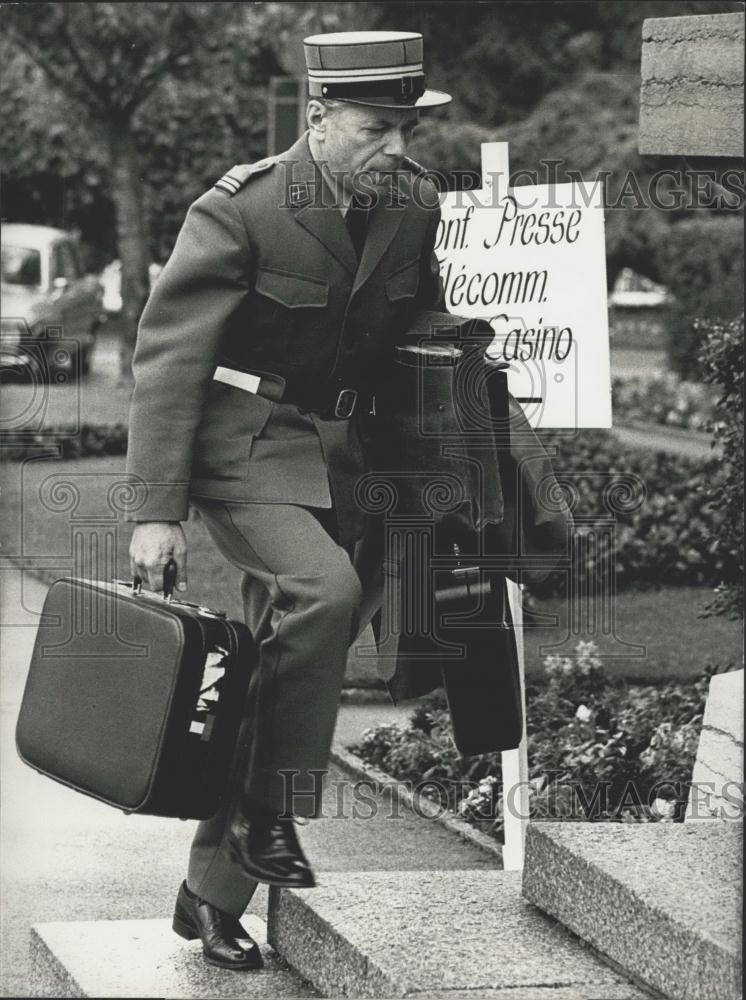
(691, 96)
(717, 781)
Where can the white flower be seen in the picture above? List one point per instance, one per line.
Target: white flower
(552, 665)
(664, 808)
(583, 714)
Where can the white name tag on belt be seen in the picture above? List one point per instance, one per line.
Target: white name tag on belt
(242, 380)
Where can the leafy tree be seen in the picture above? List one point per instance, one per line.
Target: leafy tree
(115, 116)
(54, 170)
(110, 60)
(585, 122)
(587, 128)
(500, 59)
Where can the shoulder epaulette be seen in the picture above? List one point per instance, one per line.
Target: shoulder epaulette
(237, 176)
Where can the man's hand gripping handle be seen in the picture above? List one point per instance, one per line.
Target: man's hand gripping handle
(153, 544)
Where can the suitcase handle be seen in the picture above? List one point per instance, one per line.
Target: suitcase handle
(169, 571)
(169, 580)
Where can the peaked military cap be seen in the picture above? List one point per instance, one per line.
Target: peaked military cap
(379, 68)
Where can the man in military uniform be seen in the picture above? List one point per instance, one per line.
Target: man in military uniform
(255, 370)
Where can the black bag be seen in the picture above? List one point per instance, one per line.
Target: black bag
(483, 690)
(135, 698)
(469, 649)
(450, 626)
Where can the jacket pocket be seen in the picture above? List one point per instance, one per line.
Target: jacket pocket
(294, 291)
(231, 419)
(402, 283)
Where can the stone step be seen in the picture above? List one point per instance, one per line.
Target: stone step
(144, 958)
(661, 900)
(443, 935)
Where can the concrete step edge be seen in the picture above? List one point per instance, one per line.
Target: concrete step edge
(374, 934)
(144, 958)
(49, 972)
(657, 927)
(358, 966)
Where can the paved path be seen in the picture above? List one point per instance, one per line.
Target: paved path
(67, 857)
(650, 437)
(629, 362)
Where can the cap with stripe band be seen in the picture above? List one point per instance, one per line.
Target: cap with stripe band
(376, 68)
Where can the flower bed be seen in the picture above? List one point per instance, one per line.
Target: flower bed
(676, 536)
(596, 750)
(662, 399)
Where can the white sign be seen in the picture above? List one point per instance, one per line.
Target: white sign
(532, 262)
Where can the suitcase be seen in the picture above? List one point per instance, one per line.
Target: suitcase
(135, 697)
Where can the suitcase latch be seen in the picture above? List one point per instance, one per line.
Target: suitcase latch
(466, 574)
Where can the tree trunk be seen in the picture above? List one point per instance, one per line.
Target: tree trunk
(132, 237)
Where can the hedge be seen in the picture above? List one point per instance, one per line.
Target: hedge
(65, 441)
(677, 536)
(662, 399)
(701, 263)
(722, 364)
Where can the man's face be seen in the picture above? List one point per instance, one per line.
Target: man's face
(364, 145)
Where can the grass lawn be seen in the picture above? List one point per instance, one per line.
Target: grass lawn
(43, 536)
(664, 621)
(677, 644)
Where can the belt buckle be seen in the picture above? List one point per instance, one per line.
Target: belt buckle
(346, 397)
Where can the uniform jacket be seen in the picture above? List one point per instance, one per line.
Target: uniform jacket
(264, 277)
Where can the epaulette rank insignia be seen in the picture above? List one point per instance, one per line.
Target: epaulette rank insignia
(234, 180)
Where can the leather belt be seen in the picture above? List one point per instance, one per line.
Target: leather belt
(341, 403)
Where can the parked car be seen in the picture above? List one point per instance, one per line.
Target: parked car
(50, 309)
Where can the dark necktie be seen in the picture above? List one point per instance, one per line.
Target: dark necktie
(356, 221)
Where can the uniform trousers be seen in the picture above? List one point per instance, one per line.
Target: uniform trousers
(306, 599)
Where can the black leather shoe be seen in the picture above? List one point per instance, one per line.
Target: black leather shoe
(267, 849)
(225, 943)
